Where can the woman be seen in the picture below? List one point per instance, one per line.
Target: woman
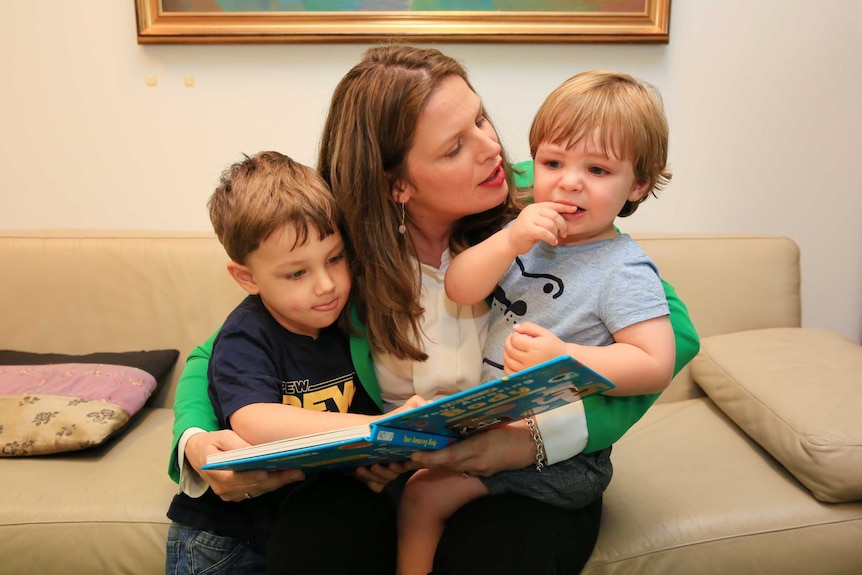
(419, 173)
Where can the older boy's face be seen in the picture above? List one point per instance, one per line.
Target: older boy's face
(304, 287)
(583, 176)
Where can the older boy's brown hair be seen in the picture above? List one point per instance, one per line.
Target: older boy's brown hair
(628, 114)
(264, 192)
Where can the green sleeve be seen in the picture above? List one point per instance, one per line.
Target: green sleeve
(608, 418)
(192, 406)
(360, 353)
(523, 174)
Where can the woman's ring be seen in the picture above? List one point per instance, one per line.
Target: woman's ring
(465, 474)
(247, 495)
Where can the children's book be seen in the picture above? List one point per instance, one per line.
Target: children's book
(435, 425)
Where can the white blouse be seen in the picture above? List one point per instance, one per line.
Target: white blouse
(454, 336)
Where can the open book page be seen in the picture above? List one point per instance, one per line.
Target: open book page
(434, 425)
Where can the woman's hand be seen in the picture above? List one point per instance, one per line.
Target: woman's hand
(502, 449)
(233, 485)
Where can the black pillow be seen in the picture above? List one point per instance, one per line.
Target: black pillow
(157, 363)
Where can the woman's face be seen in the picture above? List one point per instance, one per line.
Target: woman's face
(454, 168)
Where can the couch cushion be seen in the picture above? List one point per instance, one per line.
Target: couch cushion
(692, 493)
(798, 393)
(102, 510)
(50, 407)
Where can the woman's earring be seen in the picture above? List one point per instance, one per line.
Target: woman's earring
(402, 229)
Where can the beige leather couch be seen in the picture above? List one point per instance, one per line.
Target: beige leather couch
(695, 489)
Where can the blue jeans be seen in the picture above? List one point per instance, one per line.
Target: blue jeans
(195, 552)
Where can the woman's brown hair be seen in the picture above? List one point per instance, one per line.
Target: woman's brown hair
(368, 132)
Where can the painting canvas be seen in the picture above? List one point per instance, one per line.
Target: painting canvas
(202, 21)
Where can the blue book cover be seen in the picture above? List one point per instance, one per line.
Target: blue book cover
(434, 425)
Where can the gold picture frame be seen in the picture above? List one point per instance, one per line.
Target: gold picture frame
(597, 21)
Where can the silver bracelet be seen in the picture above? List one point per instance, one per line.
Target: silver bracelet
(540, 445)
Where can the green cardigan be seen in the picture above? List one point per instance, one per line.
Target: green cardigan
(608, 417)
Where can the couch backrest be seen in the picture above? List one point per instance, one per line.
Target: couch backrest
(729, 283)
(82, 292)
(88, 291)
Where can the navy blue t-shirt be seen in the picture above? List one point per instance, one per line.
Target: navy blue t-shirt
(256, 360)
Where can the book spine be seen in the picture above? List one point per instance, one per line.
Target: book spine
(409, 438)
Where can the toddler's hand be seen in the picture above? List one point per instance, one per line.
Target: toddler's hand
(530, 344)
(540, 222)
(377, 476)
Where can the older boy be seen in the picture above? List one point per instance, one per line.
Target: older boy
(280, 367)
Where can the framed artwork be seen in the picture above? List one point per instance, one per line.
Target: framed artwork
(342, 21)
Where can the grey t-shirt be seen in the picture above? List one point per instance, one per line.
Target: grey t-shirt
(581, 293)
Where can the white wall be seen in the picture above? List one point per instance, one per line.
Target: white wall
(763, 100)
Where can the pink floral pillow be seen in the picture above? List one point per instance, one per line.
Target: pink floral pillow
(66, 407)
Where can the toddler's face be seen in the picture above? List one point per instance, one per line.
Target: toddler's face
(585, 177)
